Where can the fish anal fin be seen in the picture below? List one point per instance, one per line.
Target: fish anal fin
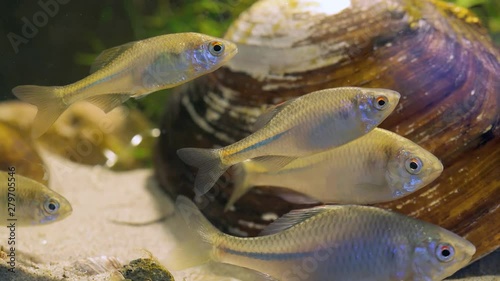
(108, 102)
(242, 184)
(272, 162)
(268, 114)
(292, 218)
(197, 252)
(107, 56)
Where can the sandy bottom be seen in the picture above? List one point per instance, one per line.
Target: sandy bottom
(100, 200)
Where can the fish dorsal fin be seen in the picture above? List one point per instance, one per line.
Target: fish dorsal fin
(106, 56)
(108, 102)
(292, 218)
(269, 113)
(272, 163)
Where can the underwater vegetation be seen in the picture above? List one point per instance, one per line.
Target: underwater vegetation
(145, 269)
(437, 56)
(489, 13)
(139, 19)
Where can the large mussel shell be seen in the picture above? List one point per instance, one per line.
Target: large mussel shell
(435, 54)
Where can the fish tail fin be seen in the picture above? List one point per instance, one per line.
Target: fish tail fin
(208, 162)
(50, 105)
(242, 184)
(200, 252)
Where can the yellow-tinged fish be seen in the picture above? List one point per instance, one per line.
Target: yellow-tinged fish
(341, 243)
(377, 167)
(131, 70)
(29, 202)
(305, 125)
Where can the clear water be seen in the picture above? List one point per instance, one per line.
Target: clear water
(54, 42)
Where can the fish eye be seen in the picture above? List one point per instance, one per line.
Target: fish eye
(51, 206)
(445, 252)
(381, 102)
(413, 165)
(216, 48)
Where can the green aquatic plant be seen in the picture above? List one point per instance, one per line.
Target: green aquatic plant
(153, 18)
(212, 17)
(145, 269)
(489, 13)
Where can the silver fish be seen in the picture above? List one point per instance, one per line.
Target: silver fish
(342, 243)
(30, 202)
(134, 69)
(377, 167)
(306, 125)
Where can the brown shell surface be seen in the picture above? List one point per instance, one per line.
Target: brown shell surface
(435, 54)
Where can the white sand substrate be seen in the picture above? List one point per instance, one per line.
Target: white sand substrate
(100, 198)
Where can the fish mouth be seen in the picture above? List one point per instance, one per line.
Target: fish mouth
(395, 95)
(439, 167)
(231, 53)
(231, 48)
(66, 212)
(435, 171)
(394, 98)
(469, 249)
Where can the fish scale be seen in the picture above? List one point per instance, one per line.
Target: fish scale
(30, 199)
(302, 115)
(341, 243)
(134, 69)
(303, 126)
(370, 169)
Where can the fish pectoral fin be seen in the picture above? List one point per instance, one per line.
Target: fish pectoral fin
(272, 162)
(268, 114)
(106, 56)
(292, 218)
(298, 198)
(235, 271)
(108, 102)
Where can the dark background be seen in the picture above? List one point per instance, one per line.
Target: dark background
(62, 51)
